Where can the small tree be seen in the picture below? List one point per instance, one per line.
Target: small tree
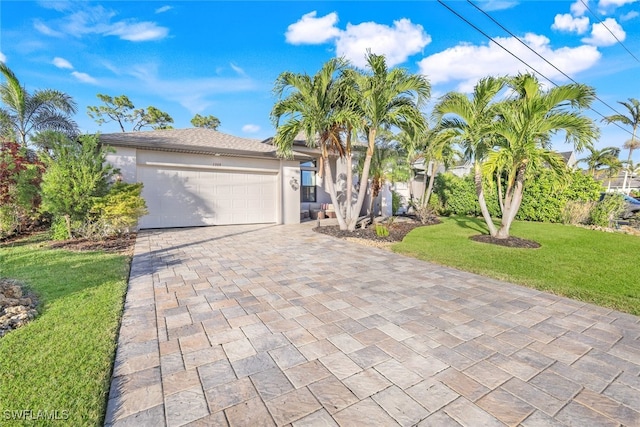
(208, 122)
(77, 172)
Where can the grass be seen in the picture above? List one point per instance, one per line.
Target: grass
(587, 265)
(62, 360)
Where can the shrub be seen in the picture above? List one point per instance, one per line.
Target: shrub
(577, 212)
(76, 174)
(607, 210)
(457, 196)
(20, 176)
(382, 230)
(118, 211)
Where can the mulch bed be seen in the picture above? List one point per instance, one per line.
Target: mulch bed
(510, 242)
(121, 244)
(397, 231)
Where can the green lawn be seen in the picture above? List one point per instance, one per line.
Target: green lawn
(62, 360)
(588, 265)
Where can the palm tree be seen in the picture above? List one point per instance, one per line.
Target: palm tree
(384, 98)
(600, 160)
(472, 121)
(632, 120)
(25, 113)
(527, 121)
(384, 157)
(315, 106)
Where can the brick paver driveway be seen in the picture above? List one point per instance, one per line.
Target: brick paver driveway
(278, 325)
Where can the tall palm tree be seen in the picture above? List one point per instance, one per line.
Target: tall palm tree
(527, 122)
(472, 120)
(632, 120)
(384, 98)
(600, 160)
(315, 106)
(24, 113)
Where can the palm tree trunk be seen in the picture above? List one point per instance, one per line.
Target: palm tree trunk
(481, 200)
(513, 199)
(353, 220)
(500, 198)
(331, 189)
(424, 183)
(429, 189)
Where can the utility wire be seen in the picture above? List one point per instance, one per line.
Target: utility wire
(520, 59)
(537, 54)
(610, 32)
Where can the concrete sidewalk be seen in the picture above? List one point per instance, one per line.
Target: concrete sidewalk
(278, 325)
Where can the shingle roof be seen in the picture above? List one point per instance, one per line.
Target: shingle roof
(190, 140)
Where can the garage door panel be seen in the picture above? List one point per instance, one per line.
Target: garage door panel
(184, 198)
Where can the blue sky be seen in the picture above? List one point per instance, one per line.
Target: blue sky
(221, 58)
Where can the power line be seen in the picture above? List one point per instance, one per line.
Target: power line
(610, 32)
(523, 61)
(537, 54)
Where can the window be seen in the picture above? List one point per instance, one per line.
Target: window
(308, 178)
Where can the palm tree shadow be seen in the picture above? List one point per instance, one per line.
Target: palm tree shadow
(469, 223)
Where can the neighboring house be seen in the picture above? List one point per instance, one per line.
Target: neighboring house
(615, 183)
(198, 176)
(570, 159)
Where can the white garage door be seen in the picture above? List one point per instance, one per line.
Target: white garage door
(186, 197)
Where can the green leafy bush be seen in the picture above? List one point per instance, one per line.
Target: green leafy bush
(607, 210)
(118, 211)
(77, 173)
(457, 196)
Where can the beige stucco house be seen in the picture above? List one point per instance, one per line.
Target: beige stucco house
(194, 177)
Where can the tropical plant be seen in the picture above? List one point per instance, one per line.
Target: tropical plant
(602, 161)
(384, 158)
(208, 122)
(472, 120)
(25, 114)
(316, 108)
(384, 98)
(632, 120)
(527, 121)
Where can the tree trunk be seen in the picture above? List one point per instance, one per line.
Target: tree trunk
(331, 189)
(351, 222)
(481, 201)
(429, 189)
(67, 220)
(513, 199)
(500, 198)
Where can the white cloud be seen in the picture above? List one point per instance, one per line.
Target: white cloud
(237, 69)
(98, 20)
(396, 43)
(250, 128)
(137, 31)
(164, 9)
(604, 4)
(3, 57)
(467, 63)
(491, 5)
(84, 77)
(601, 33)
(62, 63)
(312, 30)
(566, 22)
(629, 16)
(578, 8)
(46, 30)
